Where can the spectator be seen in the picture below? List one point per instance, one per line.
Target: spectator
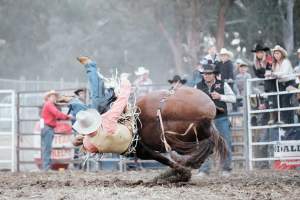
(212, 56)
(262, 61)
(225, 67)
(296, 86)
(221, 93)
(263, 66)
(101, 97)
(143, 82)
(298, 56)
(242, 76)
(77, 103)
(282, 70)
(197, 74)
(50, 114)
(176, 82)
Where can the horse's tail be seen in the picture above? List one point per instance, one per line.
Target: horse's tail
(220, 146)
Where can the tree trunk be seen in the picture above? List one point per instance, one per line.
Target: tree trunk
(175, 45)
(224, 4)
(288, 27)
(193, 40)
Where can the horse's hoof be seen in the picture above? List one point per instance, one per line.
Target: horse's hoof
(180, 159)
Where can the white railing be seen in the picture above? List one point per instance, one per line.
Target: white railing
(254, 129)
(7, 129)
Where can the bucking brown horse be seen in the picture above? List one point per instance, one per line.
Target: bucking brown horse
(178, 122)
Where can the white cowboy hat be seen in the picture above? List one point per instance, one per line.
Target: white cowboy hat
(226, 52)
(51, 92)
(282, 50)
(141, 71)
(87, 121)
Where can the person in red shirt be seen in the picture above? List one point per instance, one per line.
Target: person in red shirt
(50, 115)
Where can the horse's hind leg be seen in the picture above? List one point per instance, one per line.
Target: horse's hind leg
(178, 173)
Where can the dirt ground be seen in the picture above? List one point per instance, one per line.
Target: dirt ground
(137, 185)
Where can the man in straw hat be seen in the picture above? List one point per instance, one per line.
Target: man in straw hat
(50, 114)
(225, 67)
(143, 82)
(221, 93)
(103, 133)
(101, 97)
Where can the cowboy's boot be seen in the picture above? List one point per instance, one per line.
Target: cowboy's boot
(83, 59)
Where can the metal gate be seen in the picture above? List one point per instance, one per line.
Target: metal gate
(7, 130)
(265, 137)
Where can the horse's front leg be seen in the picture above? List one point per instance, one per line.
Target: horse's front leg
(178, 173)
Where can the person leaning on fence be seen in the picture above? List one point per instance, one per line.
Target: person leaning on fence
(296, 86)
(50, 114)
(262, 67)
(282, 70)
(103, 133)
(221, 93)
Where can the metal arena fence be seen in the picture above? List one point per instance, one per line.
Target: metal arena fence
(273, 127)
(27, 140)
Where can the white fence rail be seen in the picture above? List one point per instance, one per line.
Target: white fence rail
(7, 130)
(264, 136)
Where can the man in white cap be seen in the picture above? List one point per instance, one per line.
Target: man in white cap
(50, 115)
(103, 133)
(143, 82)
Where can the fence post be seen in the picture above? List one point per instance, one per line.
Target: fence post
(61, 83)
(37, 83)
(23, 83)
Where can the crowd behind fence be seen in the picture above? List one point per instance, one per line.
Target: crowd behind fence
(253, 144)
(272, 143)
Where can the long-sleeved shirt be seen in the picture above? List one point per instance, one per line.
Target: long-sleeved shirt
(51, 114)
(110, 118)
(282, 70)
(229, 96)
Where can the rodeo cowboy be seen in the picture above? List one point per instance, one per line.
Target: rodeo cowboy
(102, 133)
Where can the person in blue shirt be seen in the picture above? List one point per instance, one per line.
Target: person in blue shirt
(77, 103)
